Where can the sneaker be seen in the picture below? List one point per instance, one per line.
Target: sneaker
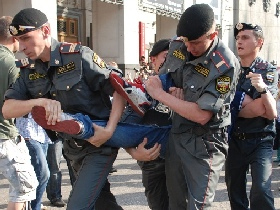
(67, 124)
(58, 202)
(135, 94)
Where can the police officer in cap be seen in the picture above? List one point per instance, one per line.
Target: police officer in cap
(72, 78)
(251, 142)
(197, 146)
(153, 170)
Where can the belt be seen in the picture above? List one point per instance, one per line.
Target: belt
(244, 136)
(201, 131)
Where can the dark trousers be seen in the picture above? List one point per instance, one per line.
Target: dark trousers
(256, 153)
(193, 166)
(91, 166)
(154, 181)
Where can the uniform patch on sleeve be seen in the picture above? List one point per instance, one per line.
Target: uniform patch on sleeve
(202, 70)
(270, 76)
(223, 84)
(178, 54)
(66, 68)
(96, 59)
(70, 48)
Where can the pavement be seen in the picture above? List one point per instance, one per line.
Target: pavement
(126, 185)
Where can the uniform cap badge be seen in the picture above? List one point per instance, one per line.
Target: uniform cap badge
(184, 39)
(56, 61)
(239, 26)
(13, 30)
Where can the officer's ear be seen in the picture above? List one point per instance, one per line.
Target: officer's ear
(46, 29)
(213, 35)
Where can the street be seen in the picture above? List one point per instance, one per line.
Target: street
(127, 186)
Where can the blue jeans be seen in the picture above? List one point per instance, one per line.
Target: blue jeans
(54, 158)
(258, 154)
(127, 134)
(38, 153)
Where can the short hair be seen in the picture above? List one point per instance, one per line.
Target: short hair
(5, 22)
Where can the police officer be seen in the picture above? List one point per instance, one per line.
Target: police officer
(72, 78)
(197, 145)
(251, 142)
(153, 171)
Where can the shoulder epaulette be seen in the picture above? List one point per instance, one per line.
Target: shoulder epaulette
(219, 61)
(25, 62)
(261, 65)
(70, 47)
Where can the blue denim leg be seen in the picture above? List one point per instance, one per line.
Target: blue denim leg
(127, 134)
(131, 135)
(38, 152)
(54, 158)
(91, 179)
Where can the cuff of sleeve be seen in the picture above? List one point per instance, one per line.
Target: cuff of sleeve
(210, 102)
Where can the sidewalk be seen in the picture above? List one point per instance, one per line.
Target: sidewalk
(127, 186)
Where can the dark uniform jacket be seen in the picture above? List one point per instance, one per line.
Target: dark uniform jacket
(270, 77)
(75, 75)
(209, 81)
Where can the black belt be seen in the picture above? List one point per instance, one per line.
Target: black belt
(201, 131)
(243, 136)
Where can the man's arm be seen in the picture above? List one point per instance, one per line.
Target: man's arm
(101, 134)
(266, 100)
(13, 108)
(254, 108)
(189, 110)
(140, 153)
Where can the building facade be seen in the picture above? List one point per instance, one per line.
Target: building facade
(124, 30)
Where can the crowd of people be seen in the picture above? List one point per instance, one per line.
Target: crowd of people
(203, 108)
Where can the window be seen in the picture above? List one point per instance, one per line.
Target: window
(67, 29)
(67, 26)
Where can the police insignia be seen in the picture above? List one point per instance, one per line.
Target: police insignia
(202, 70)
(178, 54)
(239, 26)
(36, 76)
(223, 84)
(66, 68)
(270, 76)
(184, 39)
(96, 59)
(13, 30)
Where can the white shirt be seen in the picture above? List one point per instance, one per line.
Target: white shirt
(29, 129)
